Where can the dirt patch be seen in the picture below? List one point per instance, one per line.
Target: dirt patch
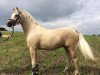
(17, 71)
(84, 70)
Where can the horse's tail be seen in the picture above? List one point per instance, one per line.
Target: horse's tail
(85, 48)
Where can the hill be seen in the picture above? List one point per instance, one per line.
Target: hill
(15, 57)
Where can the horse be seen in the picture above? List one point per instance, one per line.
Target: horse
(39, 37)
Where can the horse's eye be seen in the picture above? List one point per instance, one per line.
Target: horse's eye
(16, 15)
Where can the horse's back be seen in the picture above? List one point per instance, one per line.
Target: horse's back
(63, 32)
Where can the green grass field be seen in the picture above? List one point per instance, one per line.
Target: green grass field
(15, 57)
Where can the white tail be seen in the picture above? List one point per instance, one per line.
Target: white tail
(85, 48)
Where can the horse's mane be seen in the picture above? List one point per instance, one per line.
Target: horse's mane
(30, 16)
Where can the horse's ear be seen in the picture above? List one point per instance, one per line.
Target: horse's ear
(17, 9)
(13, 9)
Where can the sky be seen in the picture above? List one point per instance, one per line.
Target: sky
(83, 15)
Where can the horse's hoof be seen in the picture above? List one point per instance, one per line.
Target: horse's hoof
(35, 70)
(35, 73)
(66, 69)
(76, 73)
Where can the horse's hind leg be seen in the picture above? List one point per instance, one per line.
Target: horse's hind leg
(74, 59)
(69, 59)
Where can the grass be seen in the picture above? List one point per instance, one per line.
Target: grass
(15, 57)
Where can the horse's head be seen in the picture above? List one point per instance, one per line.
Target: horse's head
(15, 18)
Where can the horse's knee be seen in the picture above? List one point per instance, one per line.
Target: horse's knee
(35, 70)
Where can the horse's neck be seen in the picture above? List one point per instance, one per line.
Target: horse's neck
(27, 25)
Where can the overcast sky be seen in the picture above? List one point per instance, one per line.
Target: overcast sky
(81, 14)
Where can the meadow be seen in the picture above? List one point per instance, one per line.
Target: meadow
(15, 57)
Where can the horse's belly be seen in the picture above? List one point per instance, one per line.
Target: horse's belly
(50, 45)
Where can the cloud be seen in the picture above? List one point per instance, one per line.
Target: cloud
(86, 18)
(47, 10)
(81, 14)
(44, 10)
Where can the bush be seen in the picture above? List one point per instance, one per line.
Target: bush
(2, 29)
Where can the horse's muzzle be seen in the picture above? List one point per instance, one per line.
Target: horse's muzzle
(10, 23)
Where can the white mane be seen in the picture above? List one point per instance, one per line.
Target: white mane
(30, 16)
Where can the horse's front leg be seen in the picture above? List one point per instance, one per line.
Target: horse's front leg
(33, 53)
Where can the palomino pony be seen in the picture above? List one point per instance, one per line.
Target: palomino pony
(38, 37)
